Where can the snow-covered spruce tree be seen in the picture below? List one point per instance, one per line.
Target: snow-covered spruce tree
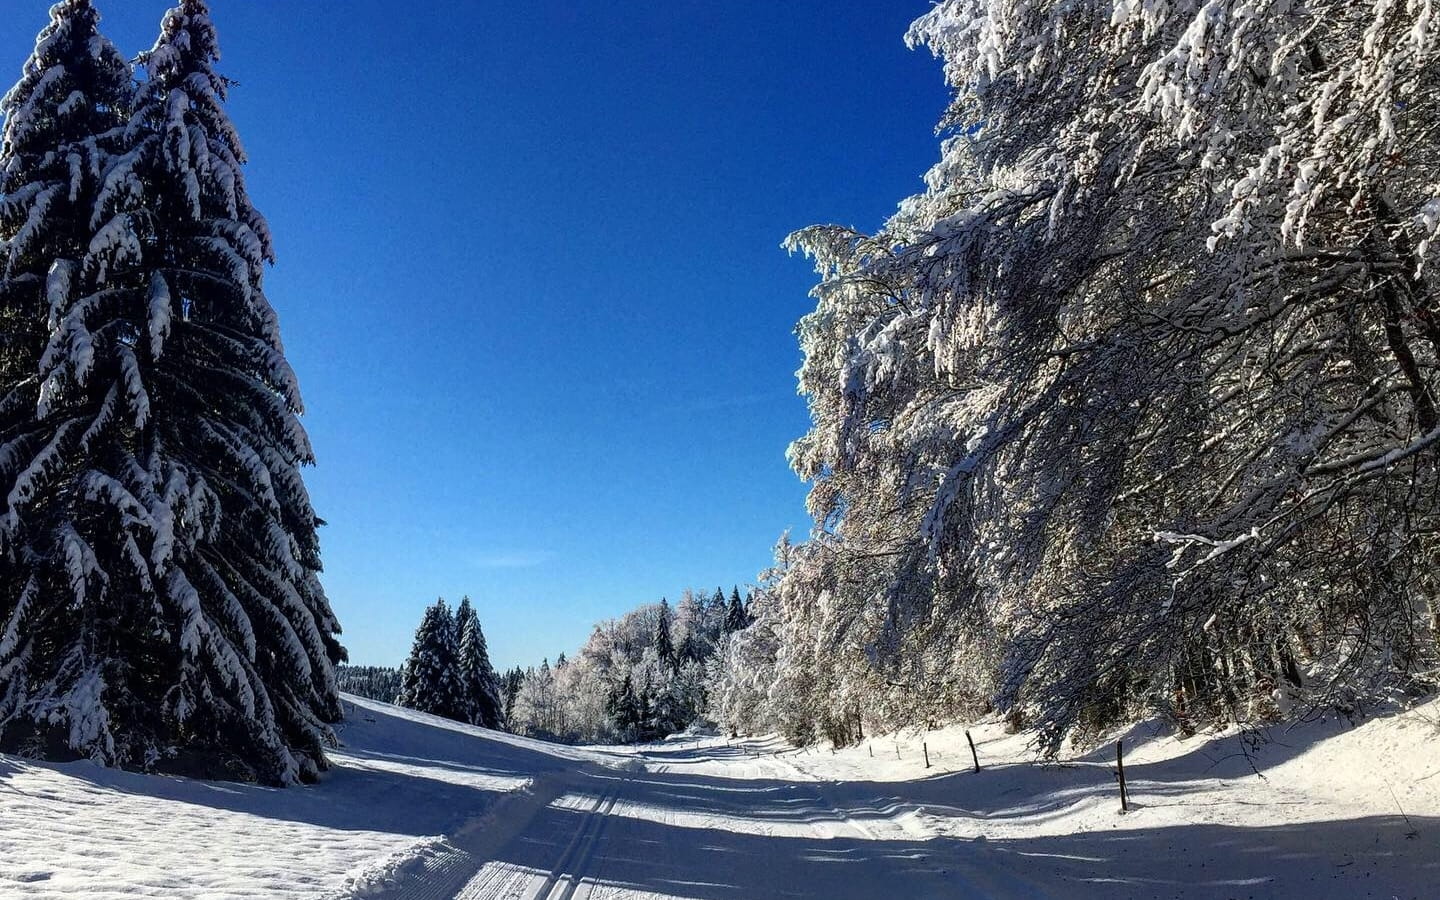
(664, 644)
(63, 121)
(478, 681)
(623, 709)
(161, 538)
(431, 677)
(736, 617)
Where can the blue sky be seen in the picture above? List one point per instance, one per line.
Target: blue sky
(531, 281)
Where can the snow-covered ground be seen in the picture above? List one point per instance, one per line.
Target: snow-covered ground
(420, 808)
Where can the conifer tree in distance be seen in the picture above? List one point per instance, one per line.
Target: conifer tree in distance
(478, 681)
(664, 643)
(736, 619)
(511, 687)
(623, 708)
(687, 651)
(156, 498)
(431, 679)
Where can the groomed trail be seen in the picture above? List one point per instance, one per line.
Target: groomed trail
(419, 808)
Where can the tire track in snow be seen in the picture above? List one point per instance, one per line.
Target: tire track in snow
(980, 873)
(463, 866)
(574, 864)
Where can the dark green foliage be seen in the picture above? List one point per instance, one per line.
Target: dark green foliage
(664, 646)
(431, 680)
(479, 684)
(688, 651)
(158, 552)
(625, 710)
(736, 618)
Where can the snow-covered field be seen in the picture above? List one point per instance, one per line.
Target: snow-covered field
(422, 808)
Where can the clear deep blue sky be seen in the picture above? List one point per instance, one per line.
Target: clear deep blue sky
(531, 281)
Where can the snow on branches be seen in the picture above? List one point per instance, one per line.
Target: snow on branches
(1133, 406)
(151, 442)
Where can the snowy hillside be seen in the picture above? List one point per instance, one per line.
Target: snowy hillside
(85, 831)
(418, 807)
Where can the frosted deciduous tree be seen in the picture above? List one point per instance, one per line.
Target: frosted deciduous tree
(540, 708)
(1133, 408)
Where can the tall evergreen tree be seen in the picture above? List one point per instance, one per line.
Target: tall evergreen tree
(63, 122)
(736, 618)
(687, 651)
(715, 609)
(431, 680)
(478, 681)
(156, 525)
(646, 728)
(664, 644)
(624, 709)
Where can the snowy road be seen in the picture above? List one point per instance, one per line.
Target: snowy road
(418, 808)
(694, 820)
(710, 821)
(612, 833)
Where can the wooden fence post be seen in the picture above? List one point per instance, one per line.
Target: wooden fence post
(973, 755)
(925, 748)
(1120, 775)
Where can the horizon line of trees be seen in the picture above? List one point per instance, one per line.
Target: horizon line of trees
(380, 683)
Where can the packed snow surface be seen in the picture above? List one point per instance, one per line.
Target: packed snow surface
(418, 807)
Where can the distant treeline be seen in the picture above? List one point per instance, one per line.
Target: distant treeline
(376, 682)
(639, 677)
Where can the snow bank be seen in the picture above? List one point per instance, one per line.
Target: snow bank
(1325, 808)
(400, 779)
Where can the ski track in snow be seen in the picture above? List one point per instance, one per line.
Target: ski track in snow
(418, 808)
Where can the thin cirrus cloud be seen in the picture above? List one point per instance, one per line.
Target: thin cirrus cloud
(512, 559)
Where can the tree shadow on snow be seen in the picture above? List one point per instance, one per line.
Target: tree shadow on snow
(685, 834)
(641, 847)
(443, 778)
